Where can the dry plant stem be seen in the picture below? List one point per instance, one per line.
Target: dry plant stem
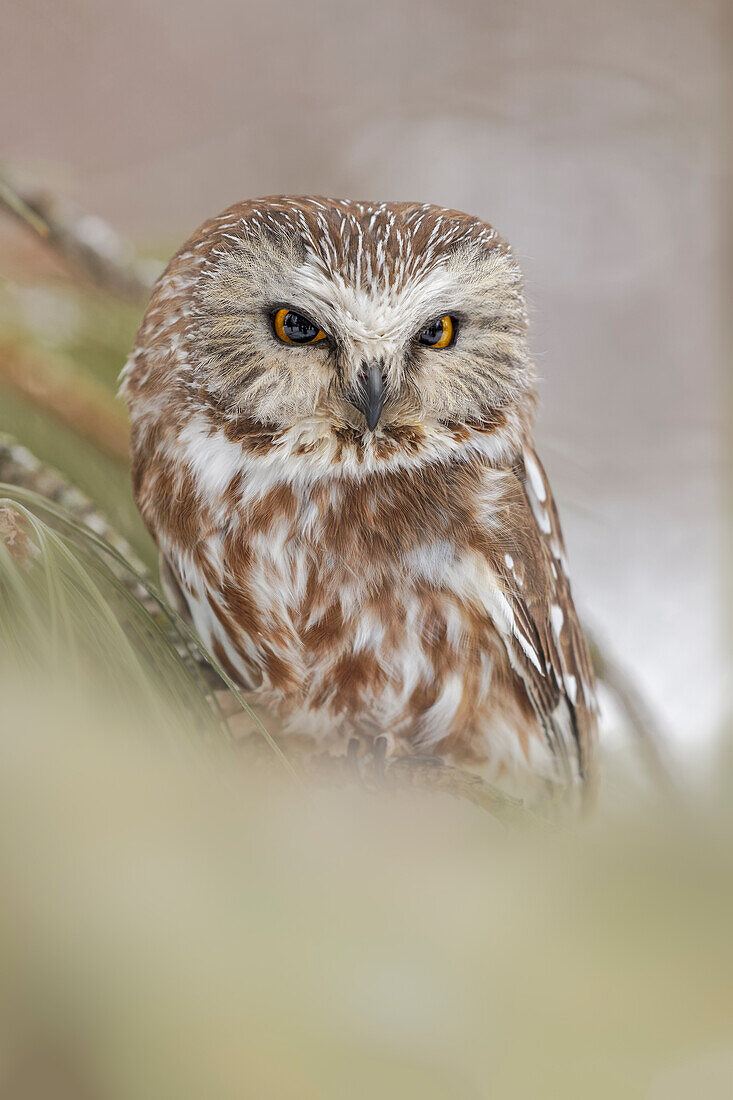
(82, 404)
(639, 717)
(40, 215)
(14, 536)
(20, 468)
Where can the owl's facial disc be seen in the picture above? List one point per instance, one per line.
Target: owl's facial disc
(359, 316)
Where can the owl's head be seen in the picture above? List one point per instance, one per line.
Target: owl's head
(358, 315)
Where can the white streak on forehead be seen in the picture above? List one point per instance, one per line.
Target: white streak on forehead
(373, 308)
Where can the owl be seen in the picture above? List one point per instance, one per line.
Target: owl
(332, 408)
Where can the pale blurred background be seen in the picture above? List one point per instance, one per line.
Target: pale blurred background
(591, 134)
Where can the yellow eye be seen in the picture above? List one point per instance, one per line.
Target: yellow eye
(293, 328)
(438, 334)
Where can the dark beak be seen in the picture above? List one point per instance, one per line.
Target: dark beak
(370, 396)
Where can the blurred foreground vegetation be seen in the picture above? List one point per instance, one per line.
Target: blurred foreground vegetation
(174, 925)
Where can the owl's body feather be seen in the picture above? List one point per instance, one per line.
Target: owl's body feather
(406, 581)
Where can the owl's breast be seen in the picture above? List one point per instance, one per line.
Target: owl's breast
(347, 619)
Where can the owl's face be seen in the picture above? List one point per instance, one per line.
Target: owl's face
(358, 315)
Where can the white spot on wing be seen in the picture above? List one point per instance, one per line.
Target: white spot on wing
(540, 514)
(535, 477)
(557, 619)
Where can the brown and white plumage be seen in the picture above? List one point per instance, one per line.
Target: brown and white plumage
(408, 580)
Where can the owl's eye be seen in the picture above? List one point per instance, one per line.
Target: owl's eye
(438, 334)
(293, 328)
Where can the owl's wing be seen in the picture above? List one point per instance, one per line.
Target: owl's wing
(544, 639)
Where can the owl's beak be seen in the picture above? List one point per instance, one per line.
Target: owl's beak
(370, 395)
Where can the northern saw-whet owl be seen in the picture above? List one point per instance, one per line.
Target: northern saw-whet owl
(332, 410)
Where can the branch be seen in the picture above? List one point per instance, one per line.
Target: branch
(85, 242)
(640, 719)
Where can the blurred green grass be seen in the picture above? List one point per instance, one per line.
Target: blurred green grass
(71, 605)
(179, 926)
(91, 333)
